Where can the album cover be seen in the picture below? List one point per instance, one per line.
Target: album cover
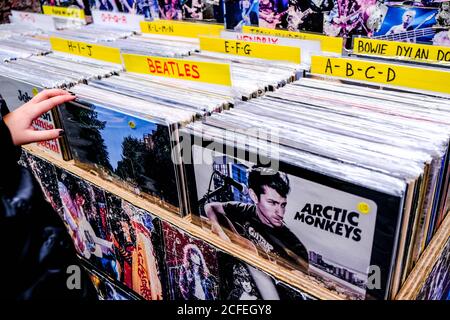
(444, 201)
(241, 281)
(272, 13)
(132, 151)
(306, 15)
(437, 285)
(147, 8)
(85, 215)
(239, 13)
(107, 289)
(287, 292)
(170, 9)
(45, 173)
(306, 221)
(439, 194)
(294, 15)
(413, 25)
(416, 3)
(237, 281)
(203, 10)
(192, 266)
(138, 247)
(349, 18)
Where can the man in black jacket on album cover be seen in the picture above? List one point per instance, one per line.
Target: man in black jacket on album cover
(261, 222)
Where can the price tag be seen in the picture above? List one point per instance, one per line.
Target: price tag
(208, 72)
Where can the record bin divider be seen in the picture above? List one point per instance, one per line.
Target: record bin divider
(408, 291)
(305, 283)
(419, 274)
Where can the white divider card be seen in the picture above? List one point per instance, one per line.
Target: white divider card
(38, 20)
(118, 20)
(308, 47)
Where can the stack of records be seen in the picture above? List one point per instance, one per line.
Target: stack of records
(130, 140)
(344, 183)
(131, 254)
(55, 71)
(252, 77)
(199, 98)
(22, 47)
(92, 33)
(157, 46)
(129, 43)
(21, 79)
(14, 29)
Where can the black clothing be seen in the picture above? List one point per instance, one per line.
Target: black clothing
(36, 248)
(274, 241)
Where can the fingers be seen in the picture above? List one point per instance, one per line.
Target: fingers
(39, 108)
(47, 94)
(36, 136)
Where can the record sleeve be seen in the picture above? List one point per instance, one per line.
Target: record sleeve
(241, 281)
(349, 18)
(118, 239)
(192, 266)
(437, 285)
(306, 15)
(45, 174)
(241, 13)
(84, 213)
(127, 148)
(414, 24)
(147, 8)
(107, 289)
(203, 10)
(333, 229)
(138, 246)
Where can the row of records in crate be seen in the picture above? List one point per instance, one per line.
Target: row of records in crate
(132, 254)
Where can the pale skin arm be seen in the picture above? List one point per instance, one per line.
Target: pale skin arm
(212, 210)
(19, 122)
(264, 283)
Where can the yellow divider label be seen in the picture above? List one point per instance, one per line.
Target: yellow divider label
(329, 44)
(208, 72)
(180, 28)
(87, 50)
(74, 13)
(409, 51)
(383, 73)
(251, 49)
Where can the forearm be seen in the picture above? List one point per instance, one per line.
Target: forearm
(211, 212)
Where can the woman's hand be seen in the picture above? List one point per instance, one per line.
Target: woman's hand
(19, 122)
